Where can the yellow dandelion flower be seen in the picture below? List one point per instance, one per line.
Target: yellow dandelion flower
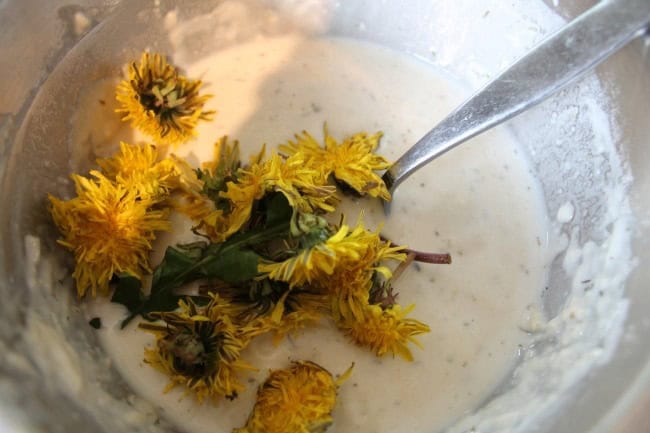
(293, 322)
(160, 102)
(199, 348)
(213, 226)
(219, 225)
(304, 187)
(298, 399)
(310, 147)
(385, 330)
(215, 175)
(352, 162)
(319, 261)
(355, 163)
(188, 197)
(241, 195)
(108, 228)
(263, 306)
(295, 311)
(224, 164)
(351, 282)
(171, 179)
(137, 167)
(346, 248)
(349, 289)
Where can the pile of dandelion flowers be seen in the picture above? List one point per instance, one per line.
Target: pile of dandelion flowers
(297, 399)
(352, 162)
(199, 348)
(160, 102)
(386, 330)
(303, 187)
(108, 229)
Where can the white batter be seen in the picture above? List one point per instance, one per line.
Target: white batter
(480, 203)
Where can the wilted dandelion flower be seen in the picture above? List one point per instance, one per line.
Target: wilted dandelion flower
(222, 169)
(109, 230)
(160, 102)
(385, 330)
(304, 186)
(219, 225)
(199, 348)
(295, 311)
(189, 198)
(352, 162)
(345, 248)
(350, 284)
(298, 399)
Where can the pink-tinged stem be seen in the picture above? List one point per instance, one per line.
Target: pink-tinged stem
(424, 257)
(435, 258)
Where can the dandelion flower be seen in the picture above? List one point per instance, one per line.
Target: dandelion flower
(295, 311)
(355, 163)
(160, 102)
(109, 230)
(298, 399)
(304, 187)
(349, 289)
(352, 162)
(199, 348)
(214, 177)
(137, 167)
(222, 169)
(385, 330)
(318, 263)
(350, 284)
(188, 195)
(170, 180)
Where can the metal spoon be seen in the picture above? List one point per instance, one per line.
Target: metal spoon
(553, 64)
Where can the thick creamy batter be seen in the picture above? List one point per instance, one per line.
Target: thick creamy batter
(480, 203)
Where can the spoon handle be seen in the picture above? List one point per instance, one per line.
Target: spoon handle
(547, 68)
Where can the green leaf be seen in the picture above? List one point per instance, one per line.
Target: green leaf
(128, 292)
(254, 237)
(176, 261)
(162, 300)
(232, 266)
(231, 261)
(278, 209)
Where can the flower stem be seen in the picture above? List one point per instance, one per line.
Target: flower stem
(423, 256)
